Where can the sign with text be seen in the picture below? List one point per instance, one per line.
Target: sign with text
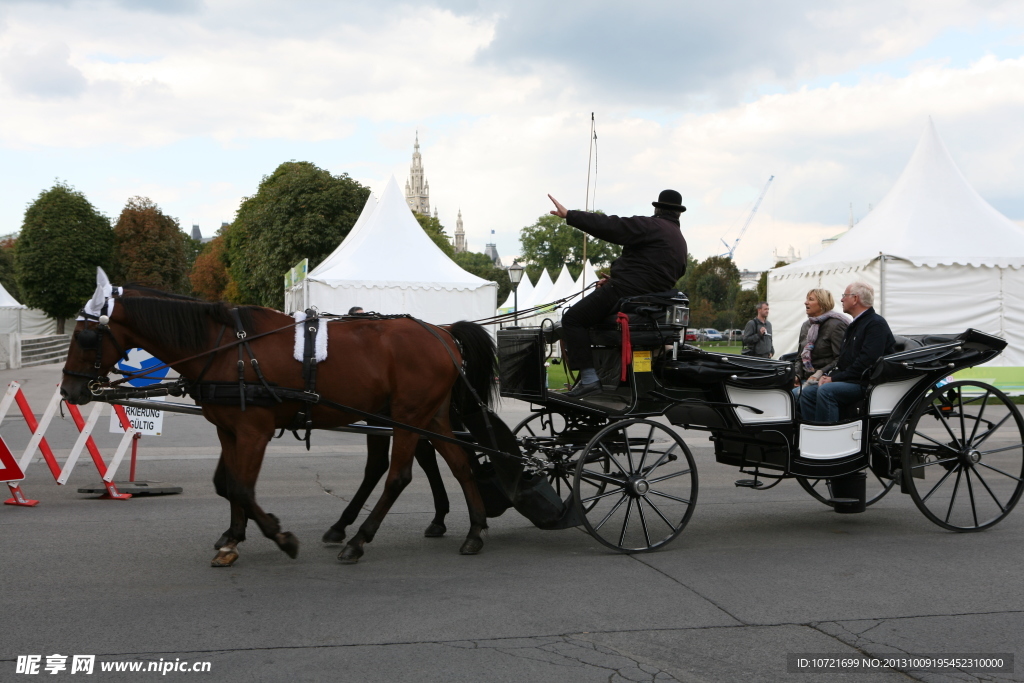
(146, 420)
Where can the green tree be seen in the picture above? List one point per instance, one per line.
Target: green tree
(299, 211)
(150, 248)
(63, 238)
(482, 266)
(712, 285)
(435, 231)
(551, 242)
(745, 307)
(7, 275)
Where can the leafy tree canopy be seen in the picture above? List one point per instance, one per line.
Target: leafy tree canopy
(712, 285)
(482, 266)
(8, 277)
(150, 248)
(551, 242)
(63, 238)
(300, 211)
(435, 231)
(209, 275)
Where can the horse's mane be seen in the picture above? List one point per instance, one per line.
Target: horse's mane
(152, 291)
(181, 321)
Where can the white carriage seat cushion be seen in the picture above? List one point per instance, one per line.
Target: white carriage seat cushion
(300, 338)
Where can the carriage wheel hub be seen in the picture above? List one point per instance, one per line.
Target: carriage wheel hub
(970, 456)
(637, 486)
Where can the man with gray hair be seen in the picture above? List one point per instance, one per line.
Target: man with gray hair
(867, 339)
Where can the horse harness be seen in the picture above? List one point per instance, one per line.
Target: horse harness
(264, 393)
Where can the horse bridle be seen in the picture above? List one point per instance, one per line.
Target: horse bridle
(91, 339)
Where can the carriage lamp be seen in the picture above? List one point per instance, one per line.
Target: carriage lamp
(515, 274)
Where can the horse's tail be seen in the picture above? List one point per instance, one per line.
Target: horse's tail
(481, 365)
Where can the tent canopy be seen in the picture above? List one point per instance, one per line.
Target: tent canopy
(939, 257)
(388, 264)
(931, 217)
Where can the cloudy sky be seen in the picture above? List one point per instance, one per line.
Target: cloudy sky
(191, 102)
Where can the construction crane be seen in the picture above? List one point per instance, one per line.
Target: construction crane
(746, 225)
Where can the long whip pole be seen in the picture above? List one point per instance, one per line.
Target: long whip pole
(586, 201)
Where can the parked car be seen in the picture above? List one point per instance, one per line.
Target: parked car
(711, 334)
(733, 335)
(691, 335)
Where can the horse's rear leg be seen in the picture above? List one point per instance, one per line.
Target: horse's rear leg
(426, 456)
(242, 456)
(376, 467)
(399, 477)
(458, 462)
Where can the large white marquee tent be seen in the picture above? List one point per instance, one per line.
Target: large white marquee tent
(388, 264)
(20, 319)
(941, 259)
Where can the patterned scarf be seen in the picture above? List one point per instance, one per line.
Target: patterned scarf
(812, 335)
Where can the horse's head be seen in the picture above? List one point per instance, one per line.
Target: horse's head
(96, 345)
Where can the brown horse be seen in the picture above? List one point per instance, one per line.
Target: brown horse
(398, 365)
(377, 462)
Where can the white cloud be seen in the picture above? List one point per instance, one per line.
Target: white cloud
(502, 101)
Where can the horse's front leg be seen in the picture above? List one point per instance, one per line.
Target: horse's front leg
(235, 533)
(241, 469)
(376, 467)
(399, 476)
(426, 456)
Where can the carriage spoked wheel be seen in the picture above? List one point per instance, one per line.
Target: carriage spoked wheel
(548, 429)
(649, 493)
(963, 456)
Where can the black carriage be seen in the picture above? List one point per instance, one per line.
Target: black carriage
(620, 469)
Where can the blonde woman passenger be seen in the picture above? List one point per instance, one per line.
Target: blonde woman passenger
(821, 336)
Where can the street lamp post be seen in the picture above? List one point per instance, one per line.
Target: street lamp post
(515, 274)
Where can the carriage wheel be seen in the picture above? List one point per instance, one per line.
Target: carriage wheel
(547, 428)
(963, 457)
(650, 491)
(821, 489)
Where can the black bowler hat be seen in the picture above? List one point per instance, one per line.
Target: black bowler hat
(671, 200)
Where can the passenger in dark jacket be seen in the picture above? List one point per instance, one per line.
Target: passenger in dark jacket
(653, 259)
(821, 336)
(757, 334)
(867, 339)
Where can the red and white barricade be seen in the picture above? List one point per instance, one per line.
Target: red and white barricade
(12, 472)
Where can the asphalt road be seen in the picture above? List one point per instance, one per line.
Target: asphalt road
(757, 575)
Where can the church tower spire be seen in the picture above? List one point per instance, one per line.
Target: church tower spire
(417, 189)
(460, 235)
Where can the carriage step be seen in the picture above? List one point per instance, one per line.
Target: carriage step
(843, 501)
(749, 483)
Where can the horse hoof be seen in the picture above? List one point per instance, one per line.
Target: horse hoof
(225, 557)
(472, 546)
(222, 541)
(435, 530)
(333, 536)
(289, 543)
(350, 554)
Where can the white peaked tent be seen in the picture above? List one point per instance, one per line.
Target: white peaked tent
(388, 264)
(19, 318)
(940, 258)
(524, 297)
(564, 286)
(540, 291)
(589, 275)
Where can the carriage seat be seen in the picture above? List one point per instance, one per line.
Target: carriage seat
(642, 332)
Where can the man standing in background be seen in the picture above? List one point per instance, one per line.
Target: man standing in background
(757, 334)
